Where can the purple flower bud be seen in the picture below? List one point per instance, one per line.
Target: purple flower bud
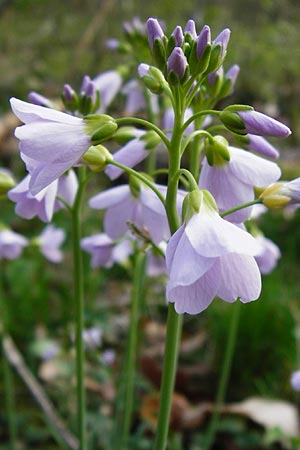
(261, 124)
(223, 39)
(261, 145)
(178, 35)
(202, 41)
(68, 93)
(112, 44)
(232, 74)
(85, 82)
(177, 62)
(143, 70)
(40, 100)
(154, 31)
(191, 29)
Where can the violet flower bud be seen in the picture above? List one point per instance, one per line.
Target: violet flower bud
(261, 124)
(223, 40)
(154, 31)
(177, 62)
(202, 41)
(40, 100)
(178, 35)
(232, 74)
(190, 28)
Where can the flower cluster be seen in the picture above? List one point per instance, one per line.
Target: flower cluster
(209, 251)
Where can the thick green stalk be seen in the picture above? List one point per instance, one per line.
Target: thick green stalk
(174, 322)
(225, 373)
(79, 302)
(128, 377)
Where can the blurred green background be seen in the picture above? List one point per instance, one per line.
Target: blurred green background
(44, 44)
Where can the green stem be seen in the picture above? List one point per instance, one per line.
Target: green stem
(7, 372)
(205, 112)
(257, 201)
(174, 322)
(141, 177)
(79, 302)
(146, 124)
(131, 354)
(9, 400)
(174, 326)
(226, 368)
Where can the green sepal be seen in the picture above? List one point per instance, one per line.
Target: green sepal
(100, 127)
(235, 108)
(198, 66)
(191, 205)
(170, 46)
(159, 52)
(124, 134)
(233, 122)
(97, 157)
(216, 151)
(6, 182)
(134, 186)
(215, 59)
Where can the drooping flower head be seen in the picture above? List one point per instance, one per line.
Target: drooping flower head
(49, 243)
(133, 204)
(51, 142)
(11, 244)
(209, 257)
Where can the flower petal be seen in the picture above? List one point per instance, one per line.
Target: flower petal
(240, 277)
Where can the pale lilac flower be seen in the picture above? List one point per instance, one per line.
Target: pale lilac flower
(49, 349)
(154, 31)
(203, 40)
(45, 203)
(131, 154)
(49, 242)
(295, 380)
(135, 98)
(232, 183)
(108, 357)
(168, 120)
(11, 244)
(268, 256)
(260, 124)
(108, 84)
(104, 251)
(177, 62)
(209, 257)
(145, 210)
(51, 142)
(92, 337)
(261, 145)
(100, 246)
(156, 263)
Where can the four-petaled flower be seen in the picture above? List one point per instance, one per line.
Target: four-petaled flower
(51, 142)
(209, 257)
